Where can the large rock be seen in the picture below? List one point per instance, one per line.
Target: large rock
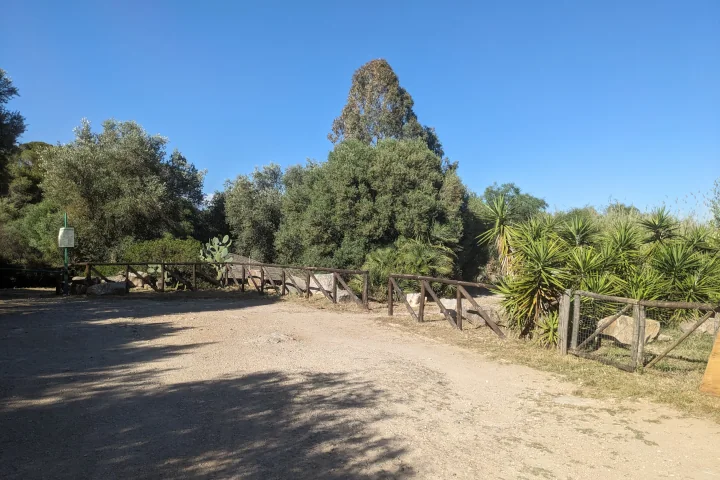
(111, 288)
(621, 330)
(710, 327)
(468, 310)
(324, 279)
(413, 299)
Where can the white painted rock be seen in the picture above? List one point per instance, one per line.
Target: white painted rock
(622, 329)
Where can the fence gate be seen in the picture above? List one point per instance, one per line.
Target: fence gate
(632, 334)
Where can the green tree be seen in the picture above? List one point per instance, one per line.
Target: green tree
(12, 125)
(520, 206)
(378, 107)
(366, 197)
(26, 174)
(119, 184)
(253, 211)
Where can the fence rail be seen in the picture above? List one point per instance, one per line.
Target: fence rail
(426, 288)
(631, 325)
(252, 274)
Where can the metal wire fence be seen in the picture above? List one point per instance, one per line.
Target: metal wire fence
(632, 334)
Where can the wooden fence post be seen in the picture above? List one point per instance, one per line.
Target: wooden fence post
(87, 274)
(390, 297)
(334, 287)
(307, 284)
(127, 278)
(576, 321)
(242, 284)
(421, 312)
(162, 277)
(262, 280)
(194, 276)
(366, 286)
(458, 308)
(564, 322)
(282, 282)
(639, 320)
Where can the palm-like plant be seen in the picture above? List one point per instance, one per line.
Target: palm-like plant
(579, 232)
(582, 263)
(498, 214)
(532, 291)
(659, 226)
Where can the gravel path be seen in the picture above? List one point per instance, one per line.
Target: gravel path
(221, 388)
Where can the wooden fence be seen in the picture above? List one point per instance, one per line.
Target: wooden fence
(571, 325)
(247, 277)
(426, 288)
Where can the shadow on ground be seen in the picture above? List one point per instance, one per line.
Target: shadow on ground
(79, 398)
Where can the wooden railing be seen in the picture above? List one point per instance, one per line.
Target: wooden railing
(426, 288)
(246, 277)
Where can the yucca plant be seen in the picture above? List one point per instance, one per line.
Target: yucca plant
(582, 263)
(498, 214)
(579, 232)
(535, 285)
(546, 331)
(659, 226)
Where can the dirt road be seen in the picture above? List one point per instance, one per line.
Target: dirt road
(221, 388)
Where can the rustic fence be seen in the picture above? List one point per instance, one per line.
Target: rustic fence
(634, 334)
(261, 277)
(454, 317)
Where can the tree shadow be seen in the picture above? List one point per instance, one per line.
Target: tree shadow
(79, 398)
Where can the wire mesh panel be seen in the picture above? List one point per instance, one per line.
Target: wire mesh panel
(605, 331)
(631, 334)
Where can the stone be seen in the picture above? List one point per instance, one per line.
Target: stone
(621, 330)
(468, 311)
(111, 288)
(413, 299)
(139, 280)
(710, 327)
(664, 338)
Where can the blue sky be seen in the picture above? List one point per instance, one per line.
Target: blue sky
(578, 102)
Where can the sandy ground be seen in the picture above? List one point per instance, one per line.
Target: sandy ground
(256, 388)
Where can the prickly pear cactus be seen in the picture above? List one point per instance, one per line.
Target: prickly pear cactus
(217, 251)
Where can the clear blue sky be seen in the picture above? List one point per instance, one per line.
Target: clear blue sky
(577, 102)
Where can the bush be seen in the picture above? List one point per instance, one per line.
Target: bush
(166, 249)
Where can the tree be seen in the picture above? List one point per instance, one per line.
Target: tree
(365, 197)
(26, 174)
(521, 206)
(377, 108)
(118, 184)
(252, 208)
(12, 125)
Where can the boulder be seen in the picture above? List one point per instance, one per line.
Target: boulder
(468, 311)
(413, 299)
(139, 280)
(111, 288)
(621, 330)
(710, 327)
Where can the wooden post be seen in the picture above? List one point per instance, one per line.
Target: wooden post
(262, 280)
(194, 276)
(87, 275)
(307, 284)
(390, 297)
(242, 284)
(162, 277)
(640, 319)
(366, 282)
(576, 322)
(127, 278)
(421, 313)
(334, 287)
(635, 336)
(564, 322)
(458, 308)
(282, 282)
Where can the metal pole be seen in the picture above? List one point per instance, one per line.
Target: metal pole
(66, 288)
